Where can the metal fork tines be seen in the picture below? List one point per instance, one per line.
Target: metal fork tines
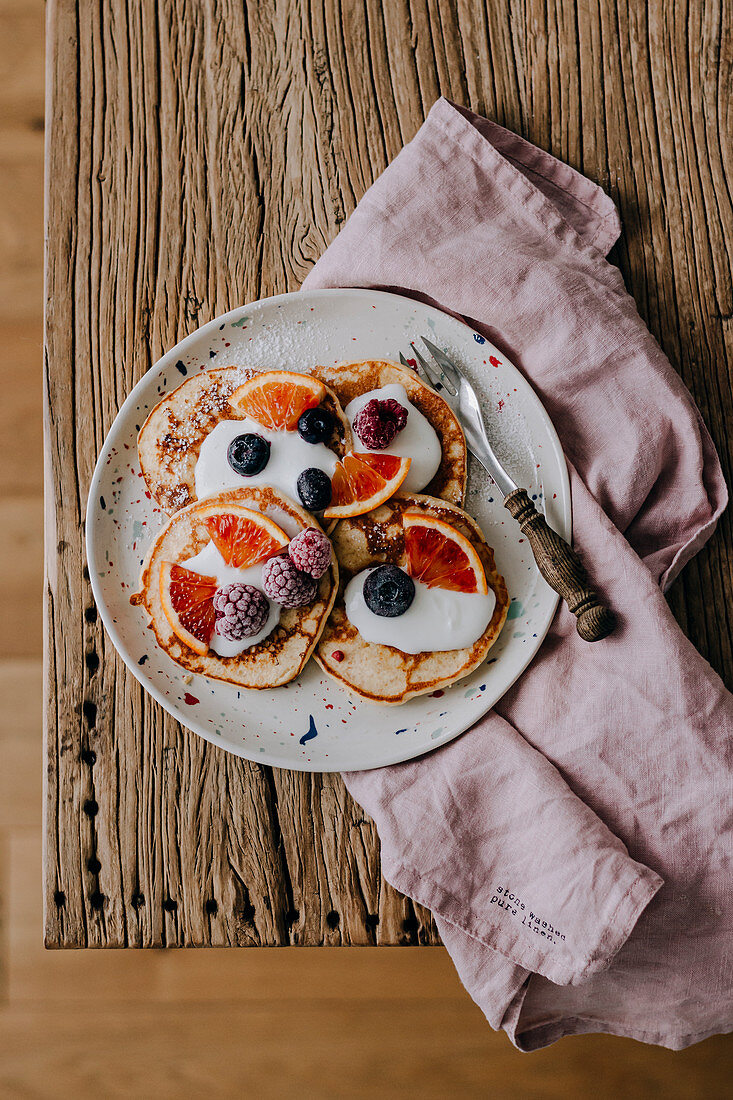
(444, 375)
(556, 560)
(447, 376)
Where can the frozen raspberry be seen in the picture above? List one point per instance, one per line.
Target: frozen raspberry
(241, 611)
(379, 422)
(395, 411)
(310, 551)
(285, 584)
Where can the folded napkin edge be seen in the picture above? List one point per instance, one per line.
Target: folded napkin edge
(599, 229)
(537, 1036)
(639, 888)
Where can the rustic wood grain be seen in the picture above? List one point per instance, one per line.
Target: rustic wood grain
(202, 155)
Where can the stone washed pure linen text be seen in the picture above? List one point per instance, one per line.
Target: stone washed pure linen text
(575, 845)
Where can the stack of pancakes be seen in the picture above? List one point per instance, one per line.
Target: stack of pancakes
(169, 446)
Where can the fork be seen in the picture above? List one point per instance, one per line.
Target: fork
(556, 560)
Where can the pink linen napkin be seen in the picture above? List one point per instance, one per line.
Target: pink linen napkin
(575, 845)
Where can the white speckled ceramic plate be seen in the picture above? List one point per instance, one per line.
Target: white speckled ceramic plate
(311, 724)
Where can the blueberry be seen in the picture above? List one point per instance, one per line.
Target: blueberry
(314, 489)
(388, 591)
(248, 454)
(316, 425)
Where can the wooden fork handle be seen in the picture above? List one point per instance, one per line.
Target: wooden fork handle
(562, 568)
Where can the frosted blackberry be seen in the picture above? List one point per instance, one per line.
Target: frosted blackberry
(241, 611)
(286, 585)
(310, 551)
(388, 591)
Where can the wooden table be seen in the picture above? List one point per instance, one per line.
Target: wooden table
(203, 154)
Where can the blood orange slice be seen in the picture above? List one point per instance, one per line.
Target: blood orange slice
(440, 556)
(277, 398)
(363, 481)
(188, 603)
(242, 537)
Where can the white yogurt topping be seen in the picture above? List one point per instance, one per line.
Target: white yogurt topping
(418, 439)
(436, 620)
(210, 563)
(289, 456)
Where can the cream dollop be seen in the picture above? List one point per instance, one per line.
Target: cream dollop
(437, 620)
(210, 563)
(418, 440)
(289, 456)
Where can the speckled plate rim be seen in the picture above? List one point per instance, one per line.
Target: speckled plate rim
(562, 520)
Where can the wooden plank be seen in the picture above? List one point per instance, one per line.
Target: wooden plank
(163, 1021)
(21, 186)
(21, 692)
(21, 472)
(388, 1051)
(41, 977)
(21, 565)
(320, 1049)
(210, 155)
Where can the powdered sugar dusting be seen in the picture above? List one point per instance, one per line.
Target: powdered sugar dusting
(289, 345)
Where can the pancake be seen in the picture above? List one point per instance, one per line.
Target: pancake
(380, 673)
(170, 440)
(350, 380)
(283, 653)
